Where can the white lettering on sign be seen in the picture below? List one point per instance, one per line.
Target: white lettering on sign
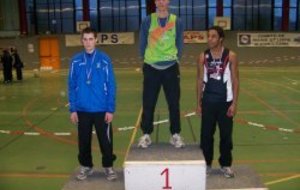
(275, 39)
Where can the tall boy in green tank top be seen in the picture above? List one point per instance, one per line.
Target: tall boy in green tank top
(161, 41)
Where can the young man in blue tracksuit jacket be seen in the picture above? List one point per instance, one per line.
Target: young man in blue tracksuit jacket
(92, 92)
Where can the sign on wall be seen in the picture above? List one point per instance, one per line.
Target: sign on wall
(103, 39)
(224, 22)
(195, 37)
(268, 39)
(30, 48)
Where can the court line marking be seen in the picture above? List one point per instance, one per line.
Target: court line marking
(283, 180)
(288, 99)
(267, 105)
(33, 175)
(34, 113)
(58, 137)
(67, 175)
(276, 84)
(291, 80)
(279, 174)
(267, 161)
(257, 69)
(137, 125)
(155, 123)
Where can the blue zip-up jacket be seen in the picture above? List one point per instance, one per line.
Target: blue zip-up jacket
(97, 95)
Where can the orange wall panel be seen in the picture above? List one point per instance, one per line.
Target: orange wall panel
(49, 53)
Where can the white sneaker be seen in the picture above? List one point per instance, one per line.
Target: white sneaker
(208, 170)
(227, 172)
(177, 141)
(144, 141)
(84, 173)
(110, 174)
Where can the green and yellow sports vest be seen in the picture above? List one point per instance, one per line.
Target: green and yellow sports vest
(161, 41)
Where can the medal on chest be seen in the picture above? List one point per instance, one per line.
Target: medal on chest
(88, 70)
(216, 69)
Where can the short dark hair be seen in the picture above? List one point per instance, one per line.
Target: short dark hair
(89, 30)
(219, 30)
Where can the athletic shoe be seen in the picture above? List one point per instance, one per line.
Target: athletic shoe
(145, 141)
(208, 170)
(84, 173)
(227, 172)
(110, 174)
(177, 141)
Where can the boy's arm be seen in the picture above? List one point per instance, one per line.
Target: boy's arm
(111, 85)
(199, 82)
(143, 36)
(179, 37)
(235, 83)
(72, 84)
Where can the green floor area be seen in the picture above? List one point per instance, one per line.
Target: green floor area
(38, 144)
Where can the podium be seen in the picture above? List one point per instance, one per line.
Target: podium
(161, 166)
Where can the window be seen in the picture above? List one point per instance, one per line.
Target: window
(78, 10)
(227, 7)
(252, 15)
(60, 16)
(200, 15)
(212, 12)
(265, 15)
(66, 16)
(52, 16)
(133, 15)
(293, 15)
(115, 16)
(298, 17)
(192, 13)
(239, 16)
(30, 16)
(277, 16)
(94, 14)
(143, 9)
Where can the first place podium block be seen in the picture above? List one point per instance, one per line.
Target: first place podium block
(161, 166)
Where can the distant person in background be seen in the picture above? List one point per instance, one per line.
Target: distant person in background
(7, 60)
(18, 64)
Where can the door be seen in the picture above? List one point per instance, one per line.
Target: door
(49, 53)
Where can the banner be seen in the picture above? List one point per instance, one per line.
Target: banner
(195, 37)
(103, 39)
(224, 22)
(277, 39)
